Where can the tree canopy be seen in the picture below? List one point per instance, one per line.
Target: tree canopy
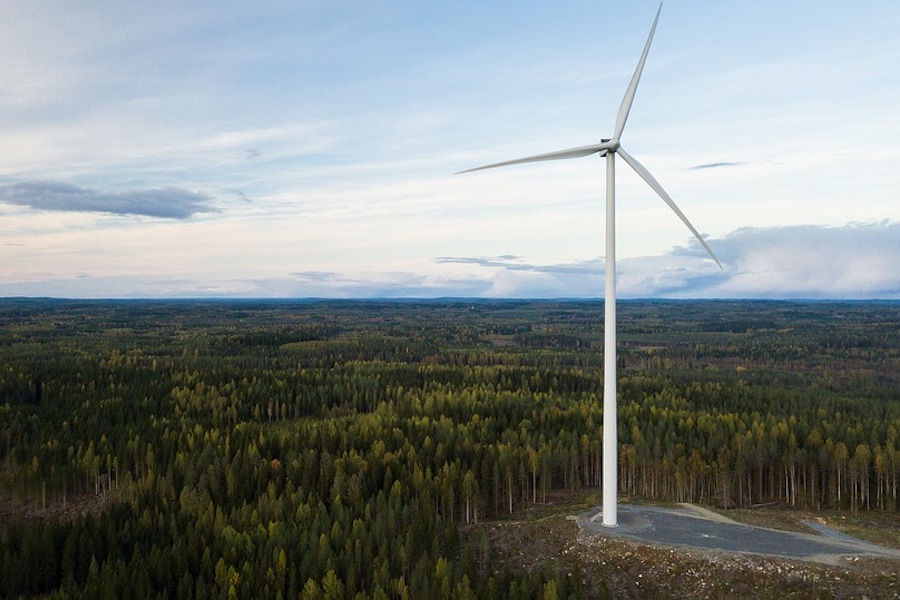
(347, 449)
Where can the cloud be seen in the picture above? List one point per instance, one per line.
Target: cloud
(807, 261)
(715, 165)
(483, 261)
(512, 277)
(321, 277)
(241, 195)
(166, 203)
(853, 261)
(386, 284)
(513, 263)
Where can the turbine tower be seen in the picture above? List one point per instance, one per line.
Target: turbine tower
(609, 148)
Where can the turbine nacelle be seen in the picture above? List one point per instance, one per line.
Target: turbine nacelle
(611, 144)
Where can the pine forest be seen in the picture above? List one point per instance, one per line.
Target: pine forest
(362, 449)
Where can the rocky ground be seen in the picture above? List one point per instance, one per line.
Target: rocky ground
(544, 538)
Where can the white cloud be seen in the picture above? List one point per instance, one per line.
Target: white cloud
(853, 261)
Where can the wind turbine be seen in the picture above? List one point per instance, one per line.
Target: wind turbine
(609, 148)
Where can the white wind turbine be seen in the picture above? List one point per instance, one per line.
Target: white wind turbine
(609, 148)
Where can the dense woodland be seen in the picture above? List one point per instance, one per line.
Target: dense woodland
(349, 449)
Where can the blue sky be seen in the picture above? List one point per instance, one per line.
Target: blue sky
(297, 149)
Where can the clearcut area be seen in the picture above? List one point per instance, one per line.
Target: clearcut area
(689, 526)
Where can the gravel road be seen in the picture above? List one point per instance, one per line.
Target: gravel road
(694, 527)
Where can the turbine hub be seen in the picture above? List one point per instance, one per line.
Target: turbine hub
(613, 144)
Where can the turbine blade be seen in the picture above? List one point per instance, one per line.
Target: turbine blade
(558, 155)
(652, 182)
(625, 107)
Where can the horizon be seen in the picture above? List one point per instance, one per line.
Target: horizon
(447, 300)
(307, 150)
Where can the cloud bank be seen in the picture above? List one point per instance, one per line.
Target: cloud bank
(806, 261)
(815, 262)
(166, 203)
(856, 261)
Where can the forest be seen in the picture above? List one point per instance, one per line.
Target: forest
(353, 449)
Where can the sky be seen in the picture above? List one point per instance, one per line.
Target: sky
(308, 148)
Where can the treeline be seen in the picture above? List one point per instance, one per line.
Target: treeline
(350, 450)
